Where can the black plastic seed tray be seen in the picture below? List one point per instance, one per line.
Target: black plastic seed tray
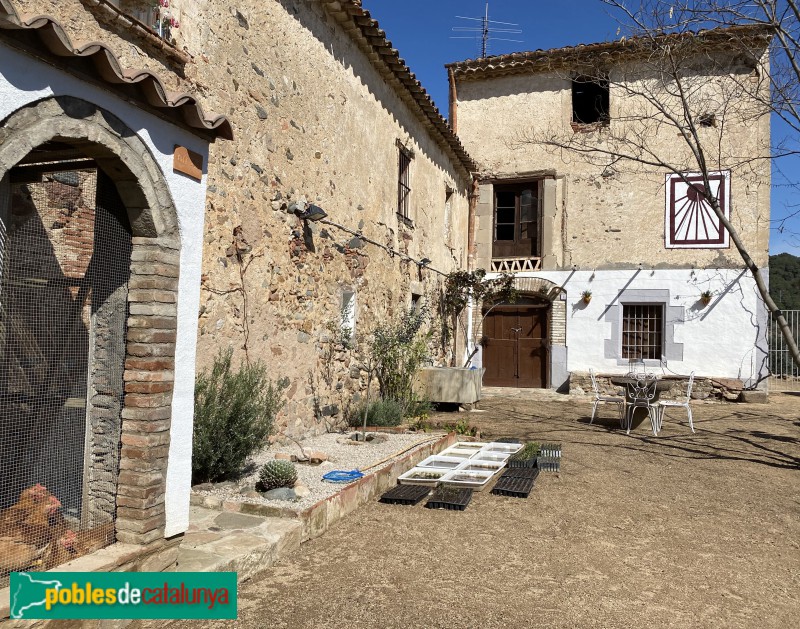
(512, 486)
(549, 464)
(508, 440)
(550, 449)
(405, 494)
(521, 463)
(521, 472)
(453, 498)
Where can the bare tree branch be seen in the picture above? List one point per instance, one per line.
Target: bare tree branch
(677, 73)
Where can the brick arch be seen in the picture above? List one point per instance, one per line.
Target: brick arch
(152, 296)
(537, 288)
(119, 152)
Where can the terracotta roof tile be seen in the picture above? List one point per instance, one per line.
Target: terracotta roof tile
(46, 35)
(537, 60)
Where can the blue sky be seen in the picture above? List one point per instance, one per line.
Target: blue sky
(422, 30)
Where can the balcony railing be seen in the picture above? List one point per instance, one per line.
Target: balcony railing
(515, 265)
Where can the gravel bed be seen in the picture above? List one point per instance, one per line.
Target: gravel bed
(341, 456)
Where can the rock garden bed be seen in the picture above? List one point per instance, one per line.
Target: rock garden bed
(325, 453)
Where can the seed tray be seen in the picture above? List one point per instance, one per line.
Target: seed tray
(511, 486)
(405, 494)
(507, 440)
(422, 476)
(469, 445)
(458, 452)
(521, 472)
(480, 466)
(549, 464)
(550, 450)
(498, 457)
(522, 463)
(502, 448)
(452, 498)
(464, 478)
(441, 462)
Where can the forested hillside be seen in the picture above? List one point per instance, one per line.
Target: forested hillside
(784, 280)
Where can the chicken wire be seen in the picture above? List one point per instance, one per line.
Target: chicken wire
(64, 266)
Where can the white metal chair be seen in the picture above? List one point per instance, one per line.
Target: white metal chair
(641, 393)
(636, 367)
(605, 399)
(665, 404)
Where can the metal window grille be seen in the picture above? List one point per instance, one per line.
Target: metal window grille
(64, 267)
(642, 331)
(404, 184)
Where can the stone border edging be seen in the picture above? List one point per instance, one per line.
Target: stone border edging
(319, 517)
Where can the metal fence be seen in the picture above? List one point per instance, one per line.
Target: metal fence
(784, 374)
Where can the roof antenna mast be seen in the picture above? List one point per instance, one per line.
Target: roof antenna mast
(485, 32)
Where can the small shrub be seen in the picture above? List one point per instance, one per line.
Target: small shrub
(234, 412)
(419, 408)
(420, 424)
(276, 474)
(399, 348)
(385, 412)
(462, 427)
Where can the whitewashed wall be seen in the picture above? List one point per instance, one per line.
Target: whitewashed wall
(24, 80)
(726, 338)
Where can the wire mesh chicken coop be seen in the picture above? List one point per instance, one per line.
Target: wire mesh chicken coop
(65, 248)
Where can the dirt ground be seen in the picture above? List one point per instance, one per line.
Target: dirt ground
(681, 530)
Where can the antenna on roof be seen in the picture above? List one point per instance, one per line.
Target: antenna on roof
(485, 32)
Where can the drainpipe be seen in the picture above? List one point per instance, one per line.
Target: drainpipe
(473, 204)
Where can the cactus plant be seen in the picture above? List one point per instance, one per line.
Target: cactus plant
(276, 474)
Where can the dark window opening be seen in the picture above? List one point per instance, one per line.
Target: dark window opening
(590, 100)
(642, 331)
(404, 183)
(707, 120)
(516, 220)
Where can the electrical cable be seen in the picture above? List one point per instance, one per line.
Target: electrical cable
(389, 250)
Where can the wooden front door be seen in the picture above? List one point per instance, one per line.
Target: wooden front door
(515, 346)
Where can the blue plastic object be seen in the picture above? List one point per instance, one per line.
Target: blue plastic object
(340, 476)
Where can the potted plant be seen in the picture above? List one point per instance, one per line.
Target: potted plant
(705, 297)
(586, 296)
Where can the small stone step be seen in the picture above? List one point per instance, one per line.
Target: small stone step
(220, 541)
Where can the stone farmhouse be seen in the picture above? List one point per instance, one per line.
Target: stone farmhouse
(633, 238)
(160, 170)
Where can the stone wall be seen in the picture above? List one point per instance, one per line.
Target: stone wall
(314, 121)
(726, 389)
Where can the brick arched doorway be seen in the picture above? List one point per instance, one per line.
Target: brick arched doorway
(89, 277)
(548, 336)
(516, 344)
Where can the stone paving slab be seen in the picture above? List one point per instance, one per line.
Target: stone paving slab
(223, 541)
